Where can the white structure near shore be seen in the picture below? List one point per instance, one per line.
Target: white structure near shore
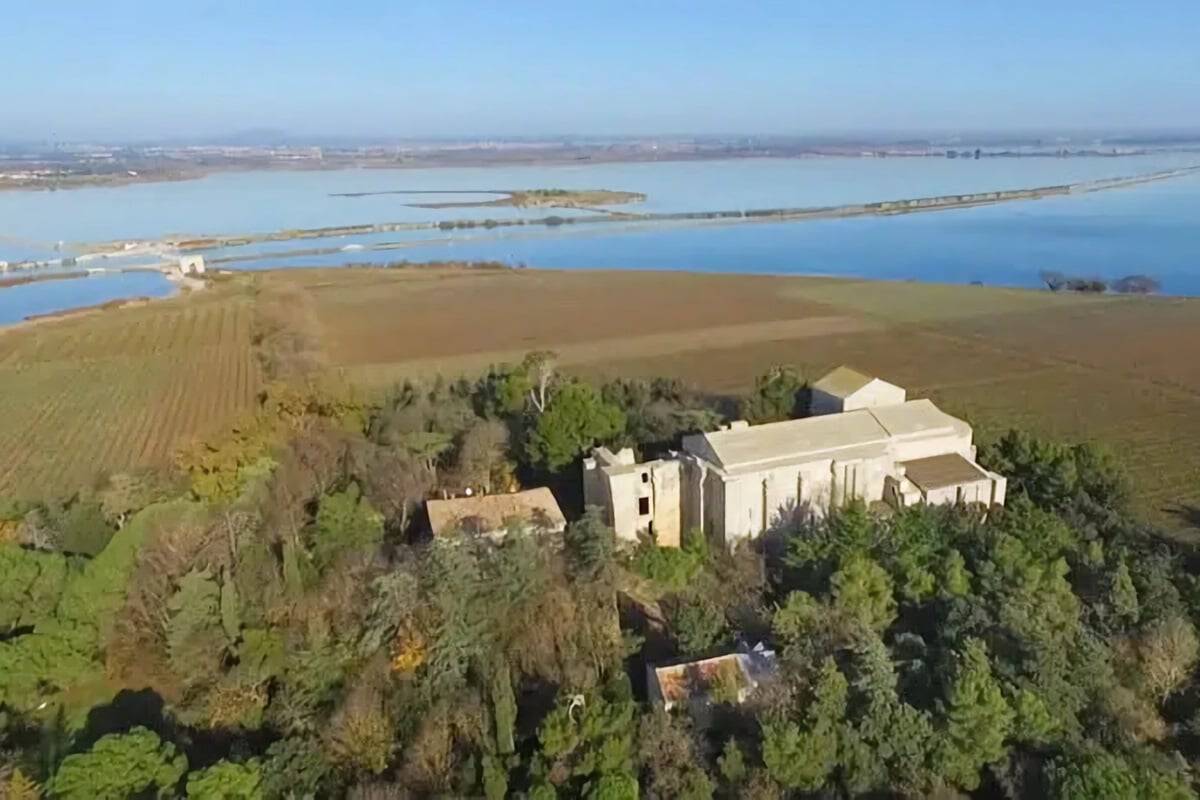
(867, 442)
(191, 265)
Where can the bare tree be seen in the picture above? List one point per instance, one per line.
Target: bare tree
(540, 365)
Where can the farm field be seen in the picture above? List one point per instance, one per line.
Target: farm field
(1107, 369)
(99, 393)
(127, 388)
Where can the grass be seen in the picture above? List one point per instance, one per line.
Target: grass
(127, 387)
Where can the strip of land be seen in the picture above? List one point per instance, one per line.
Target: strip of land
(516, 198)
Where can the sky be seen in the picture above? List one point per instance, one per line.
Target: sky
(125, 70)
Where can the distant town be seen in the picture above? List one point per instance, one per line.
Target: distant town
(63, 165)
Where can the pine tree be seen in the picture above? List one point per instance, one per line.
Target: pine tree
(978, 719)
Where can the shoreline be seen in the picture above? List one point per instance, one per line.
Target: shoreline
(186, 286)
(182, 285)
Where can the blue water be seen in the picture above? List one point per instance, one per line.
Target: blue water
(1152, 228)
(48, 297)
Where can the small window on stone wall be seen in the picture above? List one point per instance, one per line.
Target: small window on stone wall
(645, 477)
(644, 506)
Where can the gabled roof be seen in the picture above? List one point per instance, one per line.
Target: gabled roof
(798, 439)
(862, 433)
(493, 512)
(842, 382)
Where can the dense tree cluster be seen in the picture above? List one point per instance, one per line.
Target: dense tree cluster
(269, 622)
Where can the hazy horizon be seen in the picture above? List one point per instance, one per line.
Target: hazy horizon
(136, 71)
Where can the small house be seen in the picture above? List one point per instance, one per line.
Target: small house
(697, 685)
(493, 515)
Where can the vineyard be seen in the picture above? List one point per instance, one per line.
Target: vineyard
(119, 390)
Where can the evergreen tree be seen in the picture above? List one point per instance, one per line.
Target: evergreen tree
(978, 719)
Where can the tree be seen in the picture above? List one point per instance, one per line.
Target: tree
(127, 493)
(196, 640)
(659, 412)
(295, 767)
(586, 743)
(1167, 654)
(863, 590)
(799, 617)
(539, 366)
(38, 668)
(502, 392)
(732, 763)
(31, 583)
(803, 758)
(888, 743)
(1122, 594)
(479, 459)
(345, 521)
(778, 394)
(1096, 773)
(393, 481)
(120, 766)
(227, 780)
(697, 624)
(576, 420)
(978, 719)
(670, 764)
(1136, 284)
(495, 778)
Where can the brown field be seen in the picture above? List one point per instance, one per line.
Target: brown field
(1107, 369)
(1115, 370)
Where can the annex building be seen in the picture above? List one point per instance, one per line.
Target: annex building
(865, 441)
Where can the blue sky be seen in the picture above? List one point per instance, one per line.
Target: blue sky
(120, 69)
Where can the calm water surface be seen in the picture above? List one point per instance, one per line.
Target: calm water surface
(48, 297)
(1154, 228)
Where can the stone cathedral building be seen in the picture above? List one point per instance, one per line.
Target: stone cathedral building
(865, 441)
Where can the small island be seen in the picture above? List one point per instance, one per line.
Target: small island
(518, 198)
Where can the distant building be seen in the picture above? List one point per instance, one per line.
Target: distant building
(699, 684)
(493, 515)
(191, 265)
(867, 443)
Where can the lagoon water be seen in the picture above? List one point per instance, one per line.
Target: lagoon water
(32, 299)
(1152, 228)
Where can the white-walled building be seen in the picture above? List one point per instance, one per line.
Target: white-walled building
(846, 389)
(191, 265)
(735, 483)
